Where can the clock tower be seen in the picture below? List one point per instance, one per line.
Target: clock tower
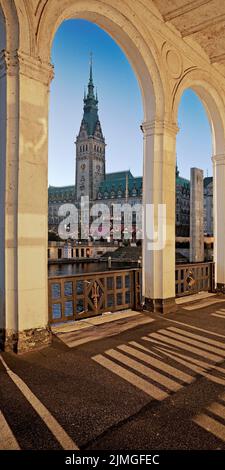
(90, 147)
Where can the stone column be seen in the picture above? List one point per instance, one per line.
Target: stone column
(24, 298)
(159, 188)
(196, 217)
(219, 220)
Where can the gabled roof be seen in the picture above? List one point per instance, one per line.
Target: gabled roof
(182, 182)
(118, 177)
(119, 181)
(58, 189)
(61, 193)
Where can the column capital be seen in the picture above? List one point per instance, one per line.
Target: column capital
(17, 62)
(34, 67)
(159, 127)
(218, 159)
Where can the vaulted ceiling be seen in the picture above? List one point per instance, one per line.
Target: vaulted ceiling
(202, 21)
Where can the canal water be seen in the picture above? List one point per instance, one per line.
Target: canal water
(84, 268)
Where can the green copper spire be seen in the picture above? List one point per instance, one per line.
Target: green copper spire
(91, 60)
(90, 117)
(91, 84)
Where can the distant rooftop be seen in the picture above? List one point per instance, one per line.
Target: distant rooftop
(207, 181)
(119, 180)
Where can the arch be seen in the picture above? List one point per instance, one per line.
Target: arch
(213, 101)
(2, 30)
(126, 35)
(9, 13)
(20, 28)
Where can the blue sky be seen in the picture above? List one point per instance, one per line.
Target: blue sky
(120, 107)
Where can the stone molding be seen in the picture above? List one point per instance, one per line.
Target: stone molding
(15, 62)
(218, 159)
(172, 60)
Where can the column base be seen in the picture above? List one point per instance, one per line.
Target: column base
(24, 341)
(220, 288)
(160, 305)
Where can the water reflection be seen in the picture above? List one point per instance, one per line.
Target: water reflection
(82, 268)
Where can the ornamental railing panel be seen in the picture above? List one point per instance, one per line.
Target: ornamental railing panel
(193, 278)
(87, 295)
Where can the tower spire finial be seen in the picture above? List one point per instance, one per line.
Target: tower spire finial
(91, 65)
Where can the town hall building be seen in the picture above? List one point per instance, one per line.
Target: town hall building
(92, 180)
